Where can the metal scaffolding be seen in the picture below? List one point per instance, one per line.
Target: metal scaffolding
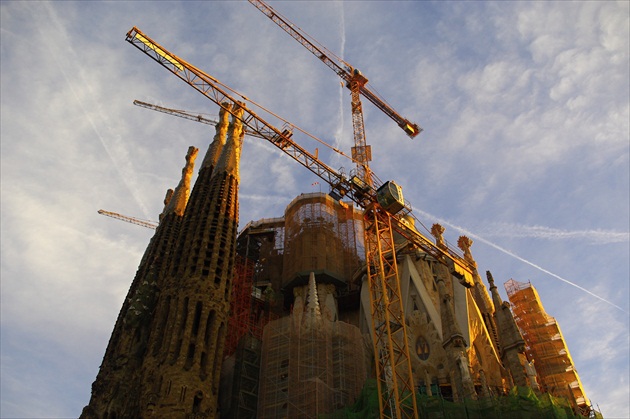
(311, 370)
(545, 345)
(321, 234)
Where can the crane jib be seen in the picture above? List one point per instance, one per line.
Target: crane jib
(208, 86)
(343, 69)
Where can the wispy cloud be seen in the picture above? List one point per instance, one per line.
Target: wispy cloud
(102, 127)
(340, 130)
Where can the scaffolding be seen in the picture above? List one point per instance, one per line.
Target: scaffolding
(321, 235)
(242, 319)
(244, 394)
(249, 313)
(545, 346)
(309, 371)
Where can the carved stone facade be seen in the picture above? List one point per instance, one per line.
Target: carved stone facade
(454, 340)
(169, 338)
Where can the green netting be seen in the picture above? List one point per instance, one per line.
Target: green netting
(519, 403)
(366, 406)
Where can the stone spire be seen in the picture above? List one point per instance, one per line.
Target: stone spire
(117, 387)
(167, 199)
(510, 339)
(480, 292)
(313, 311)
(483, 298)
(188, 337)
(453, 341)
(230, 156)
(215, 148)
(179, 198)
(200, 196)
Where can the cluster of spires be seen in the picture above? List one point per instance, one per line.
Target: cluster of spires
(498, 319)
(174, 318)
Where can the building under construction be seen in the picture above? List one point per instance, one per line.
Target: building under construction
(338, 308)
(299, 338)
(313, 356)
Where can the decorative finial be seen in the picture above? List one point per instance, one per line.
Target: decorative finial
(490, 279)
(214, 151)
(437, 231)
(179, 198)
(464, 243)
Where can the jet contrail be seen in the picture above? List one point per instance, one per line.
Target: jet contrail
(507, 252)
(548, 233)
(126, 173)
(340, 126)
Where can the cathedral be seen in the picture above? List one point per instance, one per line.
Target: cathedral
(274, 321)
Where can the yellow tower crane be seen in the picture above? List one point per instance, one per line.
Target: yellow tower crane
(385, 211)
(144, 223)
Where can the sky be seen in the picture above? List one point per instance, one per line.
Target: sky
(525, 149)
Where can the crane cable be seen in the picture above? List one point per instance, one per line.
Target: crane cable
(286, 122)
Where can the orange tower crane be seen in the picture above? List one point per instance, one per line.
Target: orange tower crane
(378, 236)
(384, 212)
(355, 81)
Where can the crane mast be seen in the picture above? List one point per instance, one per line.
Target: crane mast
(390, 343)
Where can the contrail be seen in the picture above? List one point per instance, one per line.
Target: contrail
(127, 174)
(548, 233)
(515, 256)
(340, 126)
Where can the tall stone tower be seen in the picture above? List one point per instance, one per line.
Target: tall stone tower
(186, 344)
(116, 388)
(510, 339)
(480, 292)
(174, 373)
(453, 342)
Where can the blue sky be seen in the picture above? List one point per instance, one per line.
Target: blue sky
(525, 107)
